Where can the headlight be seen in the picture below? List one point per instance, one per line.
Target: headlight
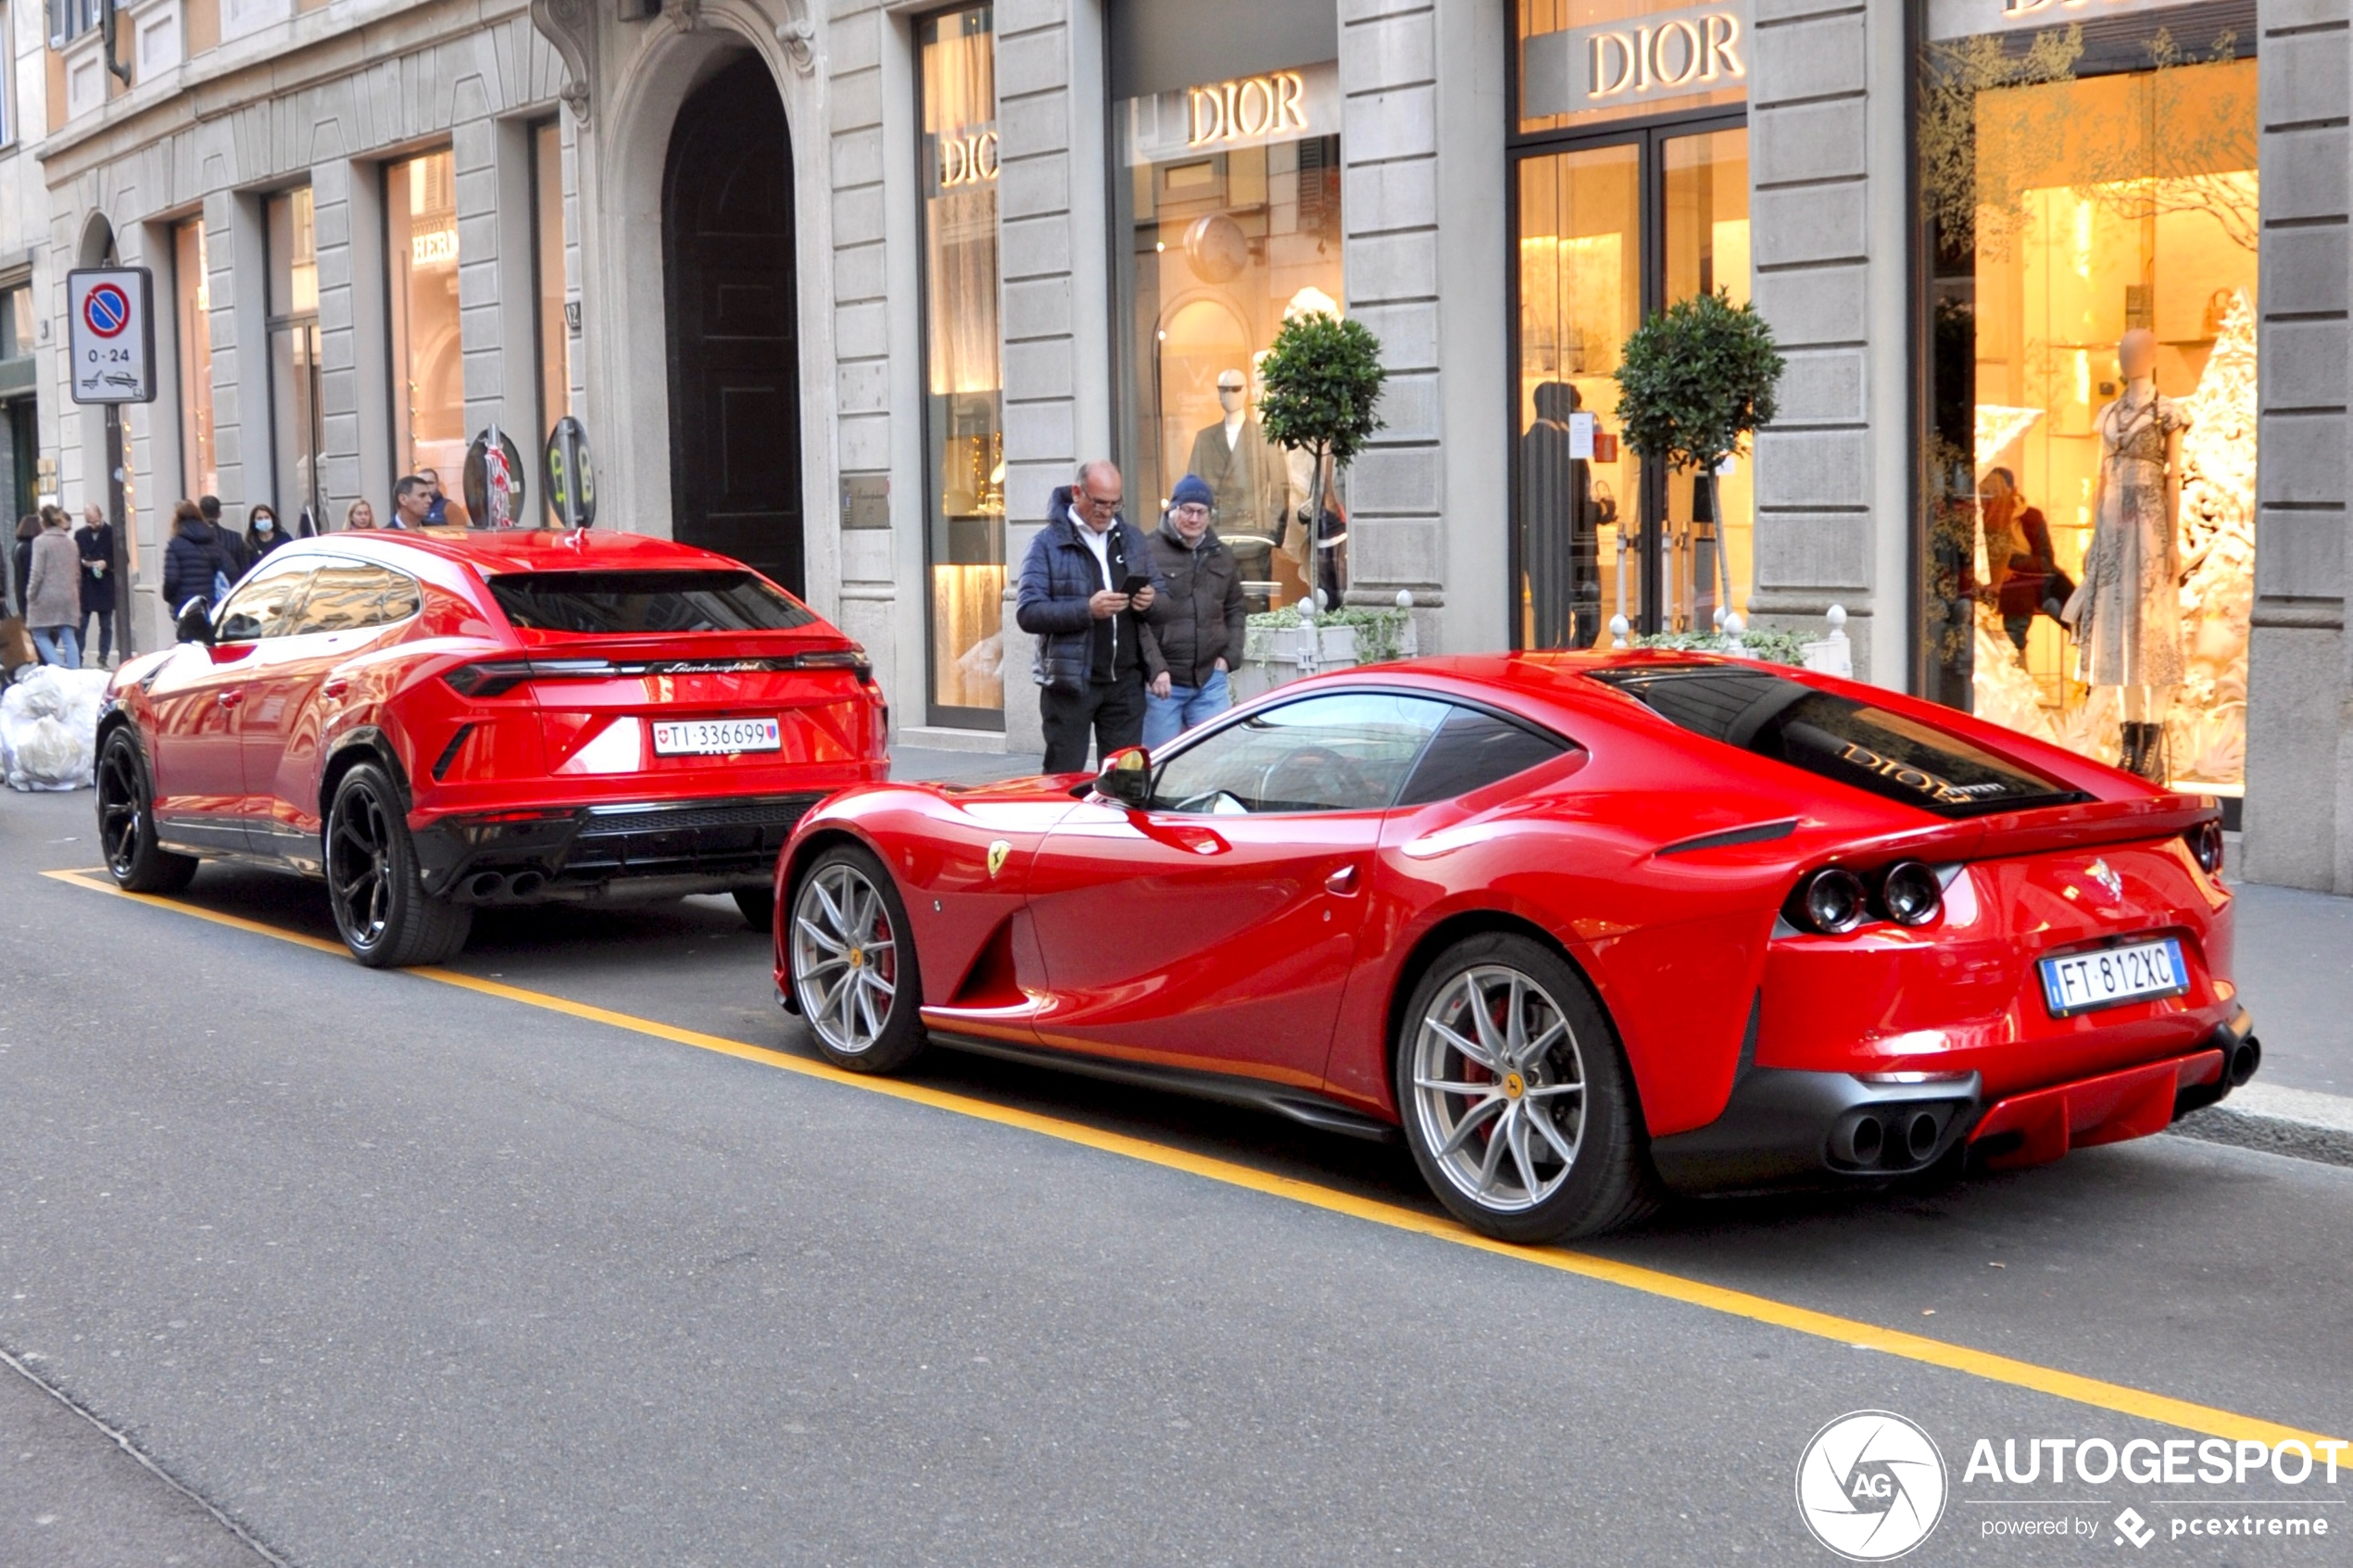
(1910, 894)
(2206, 844)
(1832, 901)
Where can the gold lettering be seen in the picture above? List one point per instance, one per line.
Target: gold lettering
(1210, 130)
(1642, 59)
(951, 162)
(1691, 53)
(1290, 107)
(1606, 84)
(1246, 109)
(985, 155)
(1227, 92)
(1244, 122)
(1723, 32)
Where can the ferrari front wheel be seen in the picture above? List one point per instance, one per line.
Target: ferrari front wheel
(853, 964)
(1517, 1101)
(383, 912)
(127, 822)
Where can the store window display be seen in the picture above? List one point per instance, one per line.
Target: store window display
(1227, 224)
(2091, 349)
(963, 411)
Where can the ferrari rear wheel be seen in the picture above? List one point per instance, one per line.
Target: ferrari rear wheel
(1517, 1101)
(127, 822)
(853, 965)
(382, 910)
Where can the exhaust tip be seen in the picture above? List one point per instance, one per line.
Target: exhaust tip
(1858, 1141)
(487, 885)
(1920, 1136)
(526, 884)
(2245, 1060)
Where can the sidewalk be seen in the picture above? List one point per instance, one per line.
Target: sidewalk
(2295, 971)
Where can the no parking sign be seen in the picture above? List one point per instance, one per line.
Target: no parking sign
(110, 334)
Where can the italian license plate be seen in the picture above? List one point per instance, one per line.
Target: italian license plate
(2110, 976)
(716, 738)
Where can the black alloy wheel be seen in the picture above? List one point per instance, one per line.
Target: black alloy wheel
(127, 822)
(381, 910)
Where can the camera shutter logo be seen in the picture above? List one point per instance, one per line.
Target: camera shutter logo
(1871, 1485)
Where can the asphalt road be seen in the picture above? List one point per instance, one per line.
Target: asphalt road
(385, 1269)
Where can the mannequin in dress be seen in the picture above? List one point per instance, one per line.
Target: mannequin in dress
(1233, 458)
(2128, 609)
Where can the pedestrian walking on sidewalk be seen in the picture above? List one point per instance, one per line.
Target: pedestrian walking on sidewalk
(95, 539)
(193, 563)
(411, 502)
(235, 559)
(262, 532)
(20, 558)
(53, 593)
(1088, 590)
(1186, 656)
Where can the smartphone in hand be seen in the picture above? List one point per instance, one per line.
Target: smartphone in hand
(1134, 583)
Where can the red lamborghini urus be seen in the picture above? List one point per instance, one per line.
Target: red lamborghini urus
(433, 722)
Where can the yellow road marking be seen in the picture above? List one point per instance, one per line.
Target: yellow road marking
(2091, 1391)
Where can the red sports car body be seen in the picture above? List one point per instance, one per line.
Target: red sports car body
(1589, 927)
(440, 720)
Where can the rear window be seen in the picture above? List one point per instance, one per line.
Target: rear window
(1840, 738)
(601, 603)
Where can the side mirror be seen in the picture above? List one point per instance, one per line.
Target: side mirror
(194, 624)
(1126, 778)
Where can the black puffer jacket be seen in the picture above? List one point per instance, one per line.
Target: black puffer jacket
(1204, 587)
(190, 563)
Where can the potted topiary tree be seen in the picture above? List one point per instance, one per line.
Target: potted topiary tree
(1694, 382)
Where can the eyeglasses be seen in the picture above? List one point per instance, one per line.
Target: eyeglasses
(1192, 512)
(1094, 501)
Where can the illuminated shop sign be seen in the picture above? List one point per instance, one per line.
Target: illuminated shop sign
(1248, 111)
(434, 248)
(1638, 60)
(1269, 107)
(1962, 18)
(965, 158)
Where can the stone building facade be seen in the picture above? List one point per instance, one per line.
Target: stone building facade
(997, 239)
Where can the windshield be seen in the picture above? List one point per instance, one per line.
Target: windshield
(1838, 737)
(609, 602)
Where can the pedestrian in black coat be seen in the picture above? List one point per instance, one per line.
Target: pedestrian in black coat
(262, 532)
(28, 530)
(235, 558)
(193, 563)
(95, 538)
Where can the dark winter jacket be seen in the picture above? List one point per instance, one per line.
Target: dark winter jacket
(1206, 616)
(22, 560)
(97, 587)
(234, 558)
(1059, 576)
(191, 562)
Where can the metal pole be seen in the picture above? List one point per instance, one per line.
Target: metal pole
(125, 638)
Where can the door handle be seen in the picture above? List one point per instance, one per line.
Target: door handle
(231, 698)
(1342, 882)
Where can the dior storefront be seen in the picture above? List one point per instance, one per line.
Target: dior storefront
(847, 290)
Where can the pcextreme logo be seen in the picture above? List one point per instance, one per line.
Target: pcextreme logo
(1870, 1486)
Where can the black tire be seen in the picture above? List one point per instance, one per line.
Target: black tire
(849, 946)
(1576, 1164)
(758, 905)
(382, 910)
(127, 821)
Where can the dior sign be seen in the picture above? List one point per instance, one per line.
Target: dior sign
(1639, 61)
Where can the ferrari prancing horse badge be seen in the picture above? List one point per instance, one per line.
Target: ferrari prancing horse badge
(998, 850)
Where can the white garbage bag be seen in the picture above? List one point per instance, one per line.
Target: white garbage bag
(49, 727)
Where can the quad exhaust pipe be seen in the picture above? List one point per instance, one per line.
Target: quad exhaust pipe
(498, 887)
(1894, 1138)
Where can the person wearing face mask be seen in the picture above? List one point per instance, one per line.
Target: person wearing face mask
(262, 532)
(1186, 656)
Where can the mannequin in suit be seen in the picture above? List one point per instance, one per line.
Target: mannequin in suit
(1233, 458)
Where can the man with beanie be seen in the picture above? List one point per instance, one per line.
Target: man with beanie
(235, 558)
(1186, 655)
(1074, 598)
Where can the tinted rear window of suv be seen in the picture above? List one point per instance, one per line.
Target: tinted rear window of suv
(1835, 737)
(597, 603)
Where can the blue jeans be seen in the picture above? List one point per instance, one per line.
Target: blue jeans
(57, 645)
(1168, 717)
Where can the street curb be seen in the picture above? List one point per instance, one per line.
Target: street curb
(2296, 1123)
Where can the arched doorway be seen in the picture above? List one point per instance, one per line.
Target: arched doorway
(734, 341)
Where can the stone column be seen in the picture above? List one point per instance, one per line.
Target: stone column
(2299, 722)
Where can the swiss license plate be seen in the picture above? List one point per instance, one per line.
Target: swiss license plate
(2109, 976)
(716, 738)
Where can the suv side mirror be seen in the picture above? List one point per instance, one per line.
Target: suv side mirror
(194, 624)
(1126, 778)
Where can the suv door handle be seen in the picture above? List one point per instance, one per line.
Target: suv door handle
(1342, 882)
(231, 698)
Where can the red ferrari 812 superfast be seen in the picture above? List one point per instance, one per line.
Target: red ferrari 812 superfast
(1590, 928)
(437, 721)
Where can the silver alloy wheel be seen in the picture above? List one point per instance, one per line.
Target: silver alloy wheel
(1498, 1088)
(845, 963)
